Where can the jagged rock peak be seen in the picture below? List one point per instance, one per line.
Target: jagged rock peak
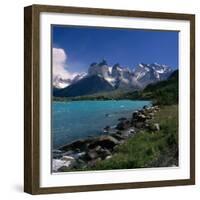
(100, 68)
(93, 64)
(103, 62)
(116, 65)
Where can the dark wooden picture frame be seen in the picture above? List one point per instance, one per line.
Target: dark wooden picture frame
(32, 98)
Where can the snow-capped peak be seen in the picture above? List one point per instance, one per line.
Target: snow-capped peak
(141, 65)
(79, 77)
(148, 73)
(59, 82)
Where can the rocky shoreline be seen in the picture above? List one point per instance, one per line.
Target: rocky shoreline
(85, 153)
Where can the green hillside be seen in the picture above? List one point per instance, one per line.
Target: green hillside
(161, 93)
(164, 92)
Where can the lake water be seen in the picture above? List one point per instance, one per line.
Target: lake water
(81, 119)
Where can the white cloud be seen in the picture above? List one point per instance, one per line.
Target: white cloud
(59, 64)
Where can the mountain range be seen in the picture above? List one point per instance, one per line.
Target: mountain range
(102, 78)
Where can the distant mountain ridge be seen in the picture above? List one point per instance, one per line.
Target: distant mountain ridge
(102, 77)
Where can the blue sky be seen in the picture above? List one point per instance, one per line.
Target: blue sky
(84, 45)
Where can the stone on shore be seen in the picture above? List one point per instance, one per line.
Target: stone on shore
(105, 141)
(92, 163)
(154, 127)
(77, 145)
(57, 154)
(108, 157)
(122, 119)
(66, 161)
(141, 118)
(123, 125)
(106, 129)
(118, 136)
(92, 154)
(135, 114)
(128, 132)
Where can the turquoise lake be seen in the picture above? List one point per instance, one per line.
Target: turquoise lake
(81, 119)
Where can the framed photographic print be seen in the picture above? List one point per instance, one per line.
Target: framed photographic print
(109, 99)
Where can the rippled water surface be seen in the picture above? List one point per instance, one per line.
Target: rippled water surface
(81, 119)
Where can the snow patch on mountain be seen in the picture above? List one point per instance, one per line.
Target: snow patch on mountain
(59, 82)
(110, 80)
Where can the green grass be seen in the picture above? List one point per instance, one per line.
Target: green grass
(148, 149)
